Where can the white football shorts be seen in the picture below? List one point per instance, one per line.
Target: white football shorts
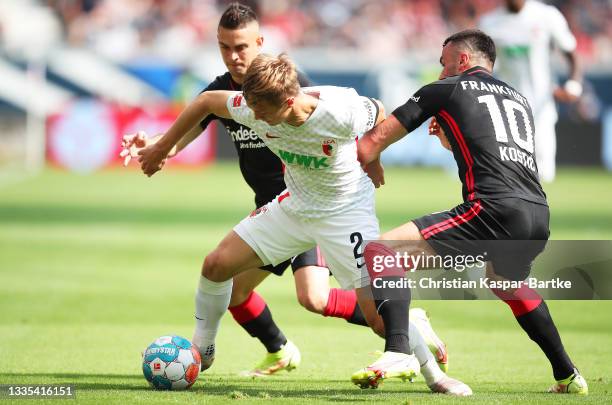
(276, 236)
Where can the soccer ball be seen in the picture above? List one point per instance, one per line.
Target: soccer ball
(171, 363)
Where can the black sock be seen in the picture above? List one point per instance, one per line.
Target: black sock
(395, 316)
(264, 328)
(541, 329)
(357, 318)
(394, 312)
(397, 342)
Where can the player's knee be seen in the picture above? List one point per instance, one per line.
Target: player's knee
(215, 268)
(312, 301)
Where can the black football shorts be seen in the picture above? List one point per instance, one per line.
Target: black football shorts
(313, 257)
(510, 232)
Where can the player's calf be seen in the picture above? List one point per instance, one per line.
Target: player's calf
(313, 301)
(532, 314)
(311, 282)
(368, 308)
(255, 317)
(211, 302)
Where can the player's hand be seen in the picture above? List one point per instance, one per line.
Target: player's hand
(564, 96)
(152, 159)
(131, 144)
(376, 172)
(434, 127)
(365, 152)
(436, 130)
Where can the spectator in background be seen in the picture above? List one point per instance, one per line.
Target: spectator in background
(146, 27)
(523, 31)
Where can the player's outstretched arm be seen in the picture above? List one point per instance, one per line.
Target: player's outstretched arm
(374, 169)
(152, 157)
(572, 89)
(378, 138)
(131, 144)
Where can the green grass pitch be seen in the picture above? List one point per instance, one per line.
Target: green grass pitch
(93, 268)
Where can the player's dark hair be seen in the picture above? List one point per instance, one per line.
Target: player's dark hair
(475, 41)
(236, 16)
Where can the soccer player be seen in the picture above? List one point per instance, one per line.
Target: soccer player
(524, 32)
(329, 202)
(488, 125)
(240, 42)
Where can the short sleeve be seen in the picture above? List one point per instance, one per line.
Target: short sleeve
(425, 103)
(364, 115)
(237, 107)
(560, 33)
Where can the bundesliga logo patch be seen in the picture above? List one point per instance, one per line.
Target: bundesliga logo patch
(329, 146)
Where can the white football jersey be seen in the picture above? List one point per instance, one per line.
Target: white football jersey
(322, 173)
(523, 41)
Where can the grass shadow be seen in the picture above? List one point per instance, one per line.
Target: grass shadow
(224, 386)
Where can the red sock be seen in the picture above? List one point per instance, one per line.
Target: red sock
(380, 261)
(255, 317)
(521, 301)
(340, 303)
(250, 309)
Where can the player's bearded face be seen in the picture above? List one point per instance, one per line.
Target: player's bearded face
(239, 47)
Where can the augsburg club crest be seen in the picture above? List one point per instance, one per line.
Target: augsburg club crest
(329, 146)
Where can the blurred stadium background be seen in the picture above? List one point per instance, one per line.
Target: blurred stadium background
(96, 260)
(74, 74)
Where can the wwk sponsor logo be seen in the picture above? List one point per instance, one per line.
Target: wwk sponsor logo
(296, 159)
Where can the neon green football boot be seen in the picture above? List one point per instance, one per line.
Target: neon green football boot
(287, 358)
(574, 384)
(388, 365)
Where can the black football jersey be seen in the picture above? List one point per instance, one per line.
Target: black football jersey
(262, 170)
(490, 128)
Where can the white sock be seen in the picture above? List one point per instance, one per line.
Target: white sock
(429, 367)
(211, 302)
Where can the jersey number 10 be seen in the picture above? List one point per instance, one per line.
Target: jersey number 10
(524, 141)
